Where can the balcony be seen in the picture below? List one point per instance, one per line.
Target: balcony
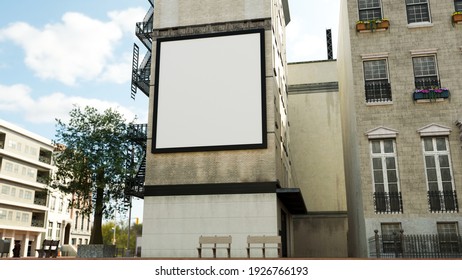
(378, 91)
(45, 156)
(40, 198)
(442, 201)
(388, 203)
(2, 140)
(38, 220)
(415, 246)
(43, 177)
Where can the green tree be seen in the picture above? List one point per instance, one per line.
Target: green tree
(121, 234)
(93, 162)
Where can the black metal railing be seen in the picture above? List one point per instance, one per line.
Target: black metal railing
(427, 83)
(388, 202)
(415, 246)
(443, 201)
(378, 91)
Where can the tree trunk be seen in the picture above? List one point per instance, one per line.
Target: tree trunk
(97, 233)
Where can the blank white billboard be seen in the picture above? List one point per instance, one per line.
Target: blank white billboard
(210, 92)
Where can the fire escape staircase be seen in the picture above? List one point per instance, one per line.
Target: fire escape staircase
(136, 162)
(141, 72)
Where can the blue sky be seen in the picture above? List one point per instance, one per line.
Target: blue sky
(54, 54)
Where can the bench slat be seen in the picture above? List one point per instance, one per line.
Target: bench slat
(212, 241)
(262, 241)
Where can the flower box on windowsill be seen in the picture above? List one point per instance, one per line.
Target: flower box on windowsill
(457, 18)
(372, 25)
(430, 94)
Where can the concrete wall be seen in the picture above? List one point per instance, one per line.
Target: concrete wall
(316, 135)
(172, 13)
(172, 225)
(321, 236)
(317, 158)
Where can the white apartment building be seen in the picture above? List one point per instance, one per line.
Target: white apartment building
(30, 211)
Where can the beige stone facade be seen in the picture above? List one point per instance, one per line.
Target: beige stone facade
(400, 118)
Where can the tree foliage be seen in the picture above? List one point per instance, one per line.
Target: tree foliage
(92, 162)
(121, 234)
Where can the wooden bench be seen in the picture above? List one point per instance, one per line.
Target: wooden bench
(214, 243)
(261, 242)
(49, 249)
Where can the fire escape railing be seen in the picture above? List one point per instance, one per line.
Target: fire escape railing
(141, 73)
(136, 162)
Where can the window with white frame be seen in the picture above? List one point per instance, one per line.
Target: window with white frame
(50, 230)
(377, 85)
(369, 9)
(387, 195)
(458, 5)
(425, 72)
(440, 184)
(58, 230)
(448, 236)
(417, 11)
(53, 203)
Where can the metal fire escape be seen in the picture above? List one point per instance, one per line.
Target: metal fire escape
(136, 159)
(141, 72)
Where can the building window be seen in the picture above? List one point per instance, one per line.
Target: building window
(369, 9)
(58, 231)
(50, 230)
(441, 194)
(417, 11)
(458, 5)
(52, 203)
(391, 237)
(3, 214)
(448, 235)
(387, 195)
(28, 195)
(82, 222)
(5, 190)
(61, 205)
(25, 217)
(377, 86)
(425, 72)
(74, 241)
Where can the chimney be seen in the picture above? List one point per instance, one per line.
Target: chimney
(330, 54)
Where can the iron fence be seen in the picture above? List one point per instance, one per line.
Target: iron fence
(415, 246)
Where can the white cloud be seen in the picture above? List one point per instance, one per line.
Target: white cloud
(119, 72)
(78, 48)
(15, 98)
(126, 19)
(45, 109)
